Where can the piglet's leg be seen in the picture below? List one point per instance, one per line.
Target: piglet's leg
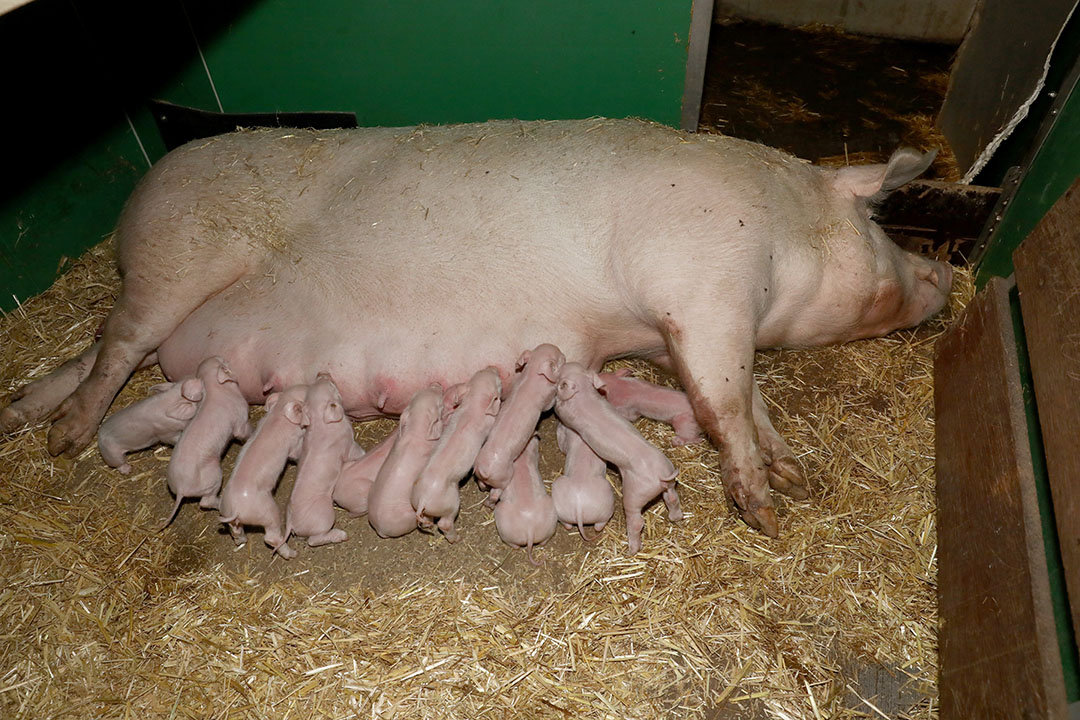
(714, 360)
(334, 535)
(785, 474)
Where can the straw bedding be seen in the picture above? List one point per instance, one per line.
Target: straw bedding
(103, 617)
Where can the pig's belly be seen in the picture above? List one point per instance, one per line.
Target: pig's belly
(383, 347)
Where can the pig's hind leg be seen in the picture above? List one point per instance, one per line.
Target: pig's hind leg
(35, 400)
(162, 285)
(714, 360)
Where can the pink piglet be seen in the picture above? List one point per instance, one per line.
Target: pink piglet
(328, 445)
(195, 466)
(635, 398)
(646, 472)
(248, 497)
(158, 418)
(582, 494)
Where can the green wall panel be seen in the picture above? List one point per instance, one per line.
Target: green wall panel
(438, 62)
(1053, 169)
(80, 72)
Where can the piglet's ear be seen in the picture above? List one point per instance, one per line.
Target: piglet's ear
(868, 180)
(523, 360)
(597, 381)
(333, 413)
(550, 370)
(193, 389)
(452, 397)
(435, 429)
(566, 389)
(493, 406)
(296, 413)
(224, 374)
(182, 411)
(271, 401)
(161, 387)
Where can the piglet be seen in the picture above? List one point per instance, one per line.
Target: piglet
(646, 472)
(195, 466)
(328, 445)
(582, 494)
(435, 494)
(525, 514)
(635, 398)
(390, 509)
(353, 487)
(158, 418)
(248, 498)
(532, 393)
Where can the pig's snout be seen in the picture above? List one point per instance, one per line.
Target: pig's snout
(932, 287)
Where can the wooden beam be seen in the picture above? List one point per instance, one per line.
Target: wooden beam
(1048, 280)
(998, 649)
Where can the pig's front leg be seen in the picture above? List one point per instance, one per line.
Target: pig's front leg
(714, 359)
(785, 474)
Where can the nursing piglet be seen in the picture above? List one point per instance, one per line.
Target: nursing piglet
(525, 514)
(390, 509)
(646, 472)
(532, 393)
(328, 445)
(248, 498)
(353, 487)
(157, 418)
(195, 466)
(436, 494)
(635, 398)
(582, 494)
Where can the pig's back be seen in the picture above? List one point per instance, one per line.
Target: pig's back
(453, 246)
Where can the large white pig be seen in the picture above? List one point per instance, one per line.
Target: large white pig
(398, 257)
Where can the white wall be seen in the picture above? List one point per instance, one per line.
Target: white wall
(937, 20)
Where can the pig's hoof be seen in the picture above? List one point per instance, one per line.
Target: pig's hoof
(12, 419)
(124, 469)
(763, 519)
(285, 551)
(786, 476)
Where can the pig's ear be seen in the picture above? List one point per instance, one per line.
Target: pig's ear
(271, 401)
(523, 360)
(597, 381)
(296, 413)
(161, 387)
(868, 180)
(192, 389)
(493, 406)
(182, 411)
